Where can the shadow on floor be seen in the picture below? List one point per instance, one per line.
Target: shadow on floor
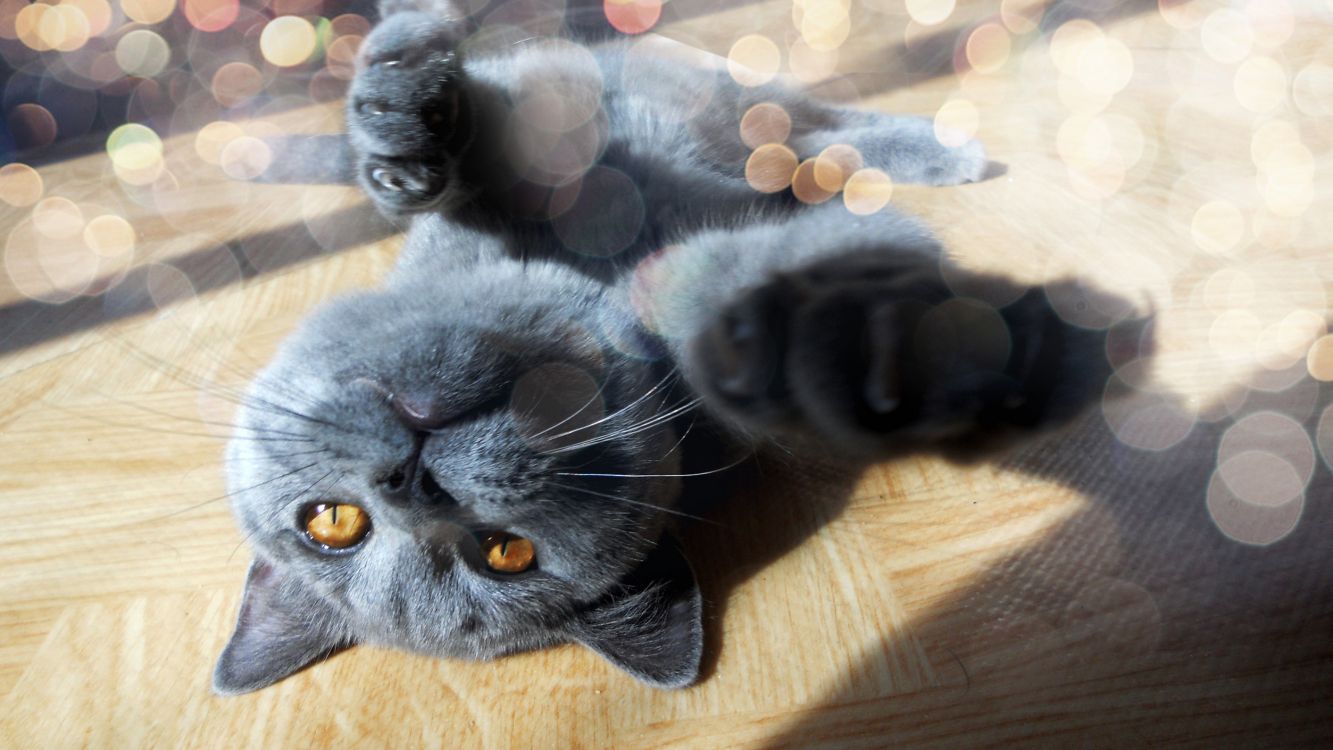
(1136, 619)
(147, 288)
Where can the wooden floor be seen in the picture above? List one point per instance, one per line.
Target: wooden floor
(1163, 573)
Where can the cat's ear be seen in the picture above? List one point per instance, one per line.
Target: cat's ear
(282, 627)
(653, 626)
(310, 160)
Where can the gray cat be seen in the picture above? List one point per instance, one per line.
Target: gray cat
(483, 457)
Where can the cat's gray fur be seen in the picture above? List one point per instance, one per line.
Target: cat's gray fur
(497, 370)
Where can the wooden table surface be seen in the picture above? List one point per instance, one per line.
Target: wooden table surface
(1161, 573)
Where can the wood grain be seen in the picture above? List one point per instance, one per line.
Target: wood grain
(1081, 591)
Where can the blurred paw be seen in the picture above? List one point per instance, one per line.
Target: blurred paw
(874, 353)
(965, 163)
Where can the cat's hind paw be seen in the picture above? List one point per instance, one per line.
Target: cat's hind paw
(958, 165)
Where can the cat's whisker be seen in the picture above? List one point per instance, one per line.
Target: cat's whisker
(731, 465)
(240, 397)
(271, 456)
(190, 380)
(638, 503)
(658, 386)
(572, 414)
(169, 415)
(197, 506)
(282, 509)
(243, 399)
(681, 440)
(633, 429)
(149, 428)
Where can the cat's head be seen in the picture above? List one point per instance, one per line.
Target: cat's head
(405, 447)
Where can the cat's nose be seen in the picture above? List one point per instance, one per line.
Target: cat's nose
(419, 412)
(412, 483)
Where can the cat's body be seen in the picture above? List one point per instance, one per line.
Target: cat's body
(592, 156)
(525, 376)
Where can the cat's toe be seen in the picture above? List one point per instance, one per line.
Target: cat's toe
(740, 354)
(970, 163)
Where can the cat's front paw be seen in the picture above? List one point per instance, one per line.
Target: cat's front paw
(409, 113)
(942, 163)
(874, 353)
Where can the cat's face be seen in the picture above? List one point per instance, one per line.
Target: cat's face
(409, 116)
(443, 416)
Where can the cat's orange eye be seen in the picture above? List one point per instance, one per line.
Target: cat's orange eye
(506, 553)
(336, 525)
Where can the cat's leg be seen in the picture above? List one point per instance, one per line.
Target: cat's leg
(849, 332)
(907, 148)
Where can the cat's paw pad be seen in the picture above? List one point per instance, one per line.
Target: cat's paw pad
(409, 88)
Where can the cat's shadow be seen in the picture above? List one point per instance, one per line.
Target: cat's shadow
(1148, 577)
(762, 511)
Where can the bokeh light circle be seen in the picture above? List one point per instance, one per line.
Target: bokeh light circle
(57, 218)
(753, 60)
(211, 15)
(644, 59)
(605, 217)
(1273, 433)
(148, 11)
(245, 158)
(340, 58)
(1312, 89)
(987, 48)
(1324, 436)
(142, 53)
(763, 123)
(32, 125)
(771, 167)
(236, 83)
(1227, 36)
(287, 41)
(867, 191)
(1021, 16)
(1217, 227)
(806, 187)
(1260, 84)
(956, 122)
(1248, 523)
(1319, 359)
(96, 12)
(930, 12)
(1145, 420)
(824, 24)
(109, 236)
(1261, 478)
(835, 165)
(64, 28)
(136, 153)
(810, 65)
(556, 405)
(20, 185)
(213, 138)
(1070, 41)
(632, 16)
